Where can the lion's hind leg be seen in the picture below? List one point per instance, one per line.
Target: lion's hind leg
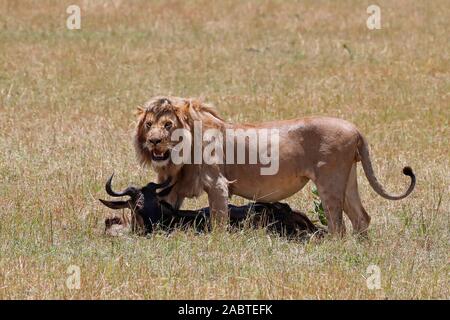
(353, 207)
(331, 185)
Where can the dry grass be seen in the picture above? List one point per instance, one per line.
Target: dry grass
(66, 104)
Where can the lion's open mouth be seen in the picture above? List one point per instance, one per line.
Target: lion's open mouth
(160, 156)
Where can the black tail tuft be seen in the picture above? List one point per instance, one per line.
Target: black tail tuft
(408, 171)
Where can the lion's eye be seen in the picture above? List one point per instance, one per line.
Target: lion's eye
(148, 124)
(168, 125)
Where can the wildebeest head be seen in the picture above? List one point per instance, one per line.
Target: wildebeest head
(143, 202)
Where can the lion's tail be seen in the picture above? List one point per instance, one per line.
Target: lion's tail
(363, 150)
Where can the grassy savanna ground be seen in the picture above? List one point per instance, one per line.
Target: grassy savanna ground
(66, 118)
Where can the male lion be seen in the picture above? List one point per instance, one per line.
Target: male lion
(322, 149)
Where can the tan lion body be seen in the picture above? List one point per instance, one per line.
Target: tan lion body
(322, 149)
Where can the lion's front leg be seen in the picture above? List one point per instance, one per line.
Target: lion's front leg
(217, 191)
(174, 199)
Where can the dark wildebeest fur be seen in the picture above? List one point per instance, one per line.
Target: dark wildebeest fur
(149, 211)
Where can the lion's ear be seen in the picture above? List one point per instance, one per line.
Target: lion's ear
(186, 107)
(182, 114)
(139, 111)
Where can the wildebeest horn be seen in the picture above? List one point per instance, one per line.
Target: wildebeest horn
(130, 191)
(115, 204)
(155, 186)
(165, 192)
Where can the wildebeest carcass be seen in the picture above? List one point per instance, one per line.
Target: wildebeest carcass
(148, 212)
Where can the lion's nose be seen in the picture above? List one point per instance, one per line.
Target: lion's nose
(155, 141)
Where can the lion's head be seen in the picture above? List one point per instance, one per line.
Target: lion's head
(158, 119)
